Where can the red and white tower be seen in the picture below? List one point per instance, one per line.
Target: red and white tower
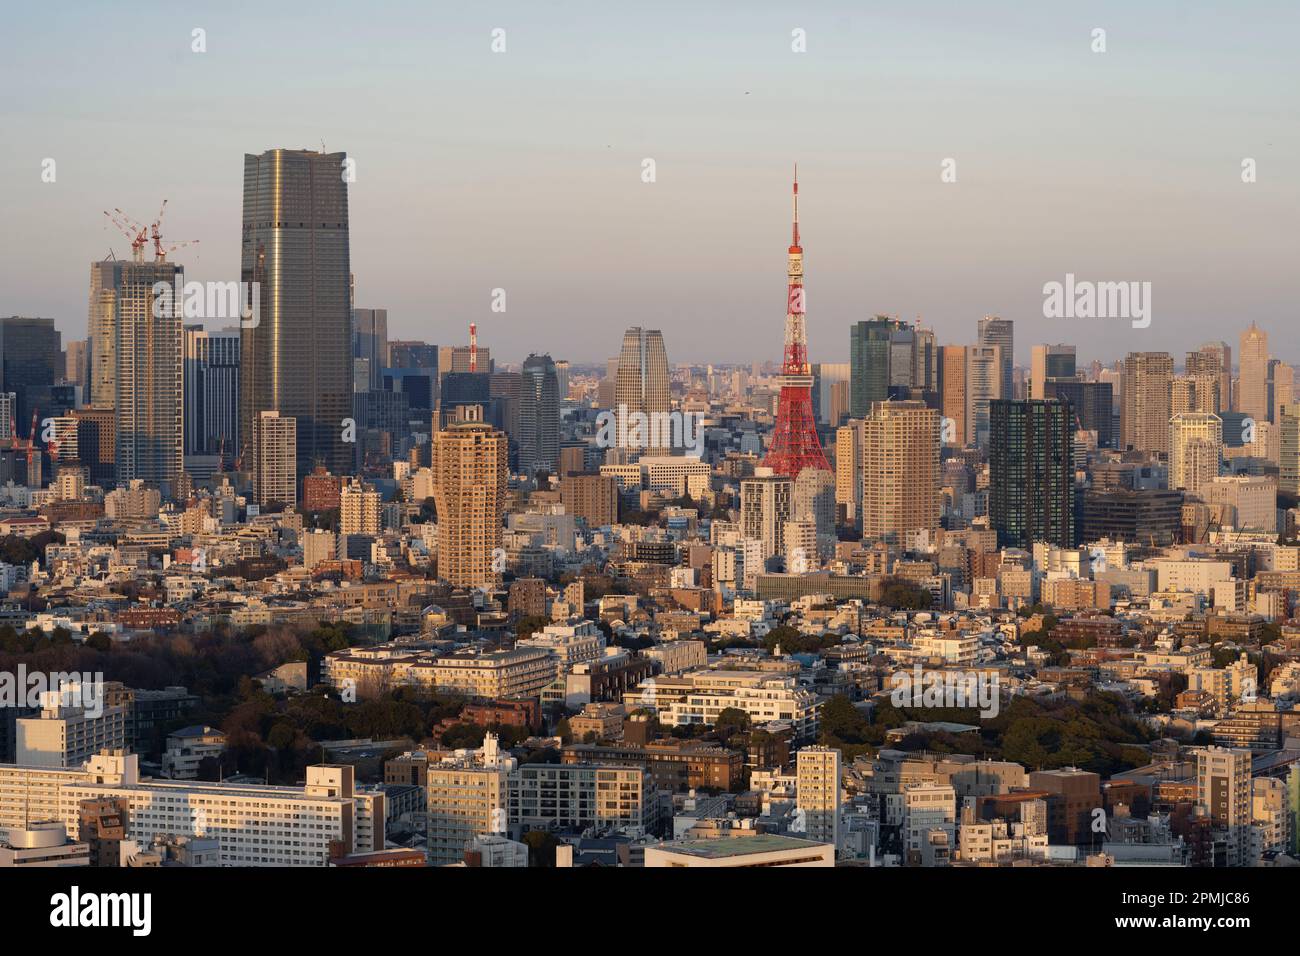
(795, 445)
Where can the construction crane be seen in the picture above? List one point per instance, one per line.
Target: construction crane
(159, 252)
(137, 233)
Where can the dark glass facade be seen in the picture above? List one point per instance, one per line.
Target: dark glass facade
(297, 359)
(1031, 472)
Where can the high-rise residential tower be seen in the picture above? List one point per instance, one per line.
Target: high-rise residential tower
(1195, 449)
(469, 469)
(1031, 472)
(275, 479)
(296, 346)
(900, 470)
(1145, 396)
(148, 373)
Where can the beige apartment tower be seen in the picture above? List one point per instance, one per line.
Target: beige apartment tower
(469, 467)
(1145, 407)
(900, 470)
(1195, 448)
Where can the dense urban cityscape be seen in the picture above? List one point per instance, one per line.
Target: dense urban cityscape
(456, 612)
(295, 575)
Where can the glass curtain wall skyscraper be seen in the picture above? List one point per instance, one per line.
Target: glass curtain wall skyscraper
(297, 349)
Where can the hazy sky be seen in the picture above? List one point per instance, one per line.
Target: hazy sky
(522, 170)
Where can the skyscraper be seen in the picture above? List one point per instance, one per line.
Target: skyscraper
(1195, 448)
(370, 342)
(870, 342)
(1047, 362)
(275, 479)
(983, 384)
(1214, 359)
(1000, 332)
(1031, 472)
(29, 364)
(1252, 391)
(900, 470)
(641, 381)
(469, 468)
(1289, 470)
(212, 392)
(148, 374)
(539, 416)
(297, 356)
(1145, 401)
(952, 393)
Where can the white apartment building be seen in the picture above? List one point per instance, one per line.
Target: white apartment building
(65, 734)
(255, 825)
(571, 644)
(698, 697)
(578, 796)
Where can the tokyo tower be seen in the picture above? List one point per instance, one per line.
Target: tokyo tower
(795, 445)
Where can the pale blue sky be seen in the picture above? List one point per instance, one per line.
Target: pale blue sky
(522, 170)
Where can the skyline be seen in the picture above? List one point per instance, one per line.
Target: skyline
(529, 178)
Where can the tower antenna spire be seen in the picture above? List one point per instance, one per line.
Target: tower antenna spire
(795, 243)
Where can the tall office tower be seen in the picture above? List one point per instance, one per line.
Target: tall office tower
(795, 445)
(29, 363)
(983, 385)
(766, 504)
(469, 468)
(641, 382)
(902, 359)
(1213, 359)
(848, 473)
(1195, 449)
(1223, 792)
(359, 509)
(900, 470)
(464, 358)
(1031, 472)
(370, 342)
(77, 357)
(1049, 361)
(839, 406)
(925, 375)
(101, 317)
(952, 393)
(562, 368)
(813, 502)
(212, 392)
(1144, 403)
(409, 353)
(539, 416)
(1252, 394)
(275, 479)
(297, 356)
(1194, 393)
(1289, 466)
(506, 389)
(1000, 332)
(870, 350)
(1093, 406)
(826, 376)
(8, 416)
(817, 793)
(1281, 388)
(148, 374)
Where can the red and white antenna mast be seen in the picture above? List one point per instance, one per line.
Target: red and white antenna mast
(795, 445)
(473, 347)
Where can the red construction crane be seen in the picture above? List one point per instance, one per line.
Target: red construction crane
(137, 233)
